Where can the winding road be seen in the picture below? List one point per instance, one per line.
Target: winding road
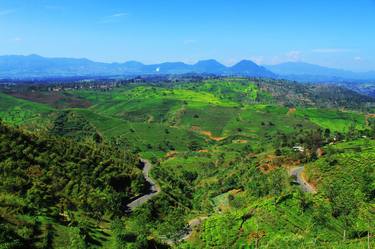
(154, 187)
(194, 223)
(305, 186)
(154, 190)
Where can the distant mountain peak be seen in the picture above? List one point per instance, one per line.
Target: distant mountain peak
(32, 56)
(246, 62)
(208, 61)
(37, 66)
(307, 72)
(209, 66)
(250, 68)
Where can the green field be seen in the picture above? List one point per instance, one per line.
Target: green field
(333, 119)
(22, 112)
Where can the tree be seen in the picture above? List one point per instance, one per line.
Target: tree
(278, 152)
(119, 233)
(76, 241)
(194, 146)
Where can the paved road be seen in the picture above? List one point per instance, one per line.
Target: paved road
(305, 186)
(193, 224)
(154, 190)
(154, 187)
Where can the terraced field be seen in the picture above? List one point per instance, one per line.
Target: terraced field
(221, 150)
(22, 112)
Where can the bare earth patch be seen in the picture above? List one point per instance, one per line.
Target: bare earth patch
(206, 133)
(311, 183)
(291, 111)
(171, 154)
(272, 162)
(240, 141)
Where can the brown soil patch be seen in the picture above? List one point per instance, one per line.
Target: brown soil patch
(235, 191)
(267, 167)
(240, 141)
(54, 99)
(268, 164)
(171, 154)
(272, 162)
(320, 152)
(203, 151)
(195, 128)
(368, 116)
(291, 111)
(206, 133)
(209, 134)
(312, 183)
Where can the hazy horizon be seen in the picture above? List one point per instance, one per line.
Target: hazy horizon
(190, 62)
(336, 34)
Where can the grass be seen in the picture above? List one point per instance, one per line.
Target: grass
(334, 120)
(226, 120)
(22, 112)
(269, 225)
(152, 139)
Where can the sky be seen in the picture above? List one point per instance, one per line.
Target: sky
(334, 33)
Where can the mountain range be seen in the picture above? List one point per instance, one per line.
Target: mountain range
(306, 72)
(18, 66)
(35, 66)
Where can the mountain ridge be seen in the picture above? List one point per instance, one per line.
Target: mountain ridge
(307, 72)
(20, 66)
(36, 66)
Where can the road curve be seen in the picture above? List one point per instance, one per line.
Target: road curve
(305, 186)
(193, 224)
(154, 187)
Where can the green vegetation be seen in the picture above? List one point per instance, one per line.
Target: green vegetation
(222, 149)
(332, 119)
(21, 112)
(47, 183)
(75, 126)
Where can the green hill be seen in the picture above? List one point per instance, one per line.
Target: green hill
(222, 150)
(54, 190)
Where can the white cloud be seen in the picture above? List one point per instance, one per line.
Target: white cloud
(119, 15)
(258, 59)
(230, 61)
(357, 58)
(293, 55)
(114, 18)
(332, 50)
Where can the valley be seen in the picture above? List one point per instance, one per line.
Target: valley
(187, 124)
(221, 151)
(154, 189)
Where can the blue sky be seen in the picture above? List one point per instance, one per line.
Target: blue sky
(335, 33)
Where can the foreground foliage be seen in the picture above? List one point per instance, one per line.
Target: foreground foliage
(60, 180)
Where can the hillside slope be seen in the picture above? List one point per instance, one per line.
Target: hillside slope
(52, 190)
